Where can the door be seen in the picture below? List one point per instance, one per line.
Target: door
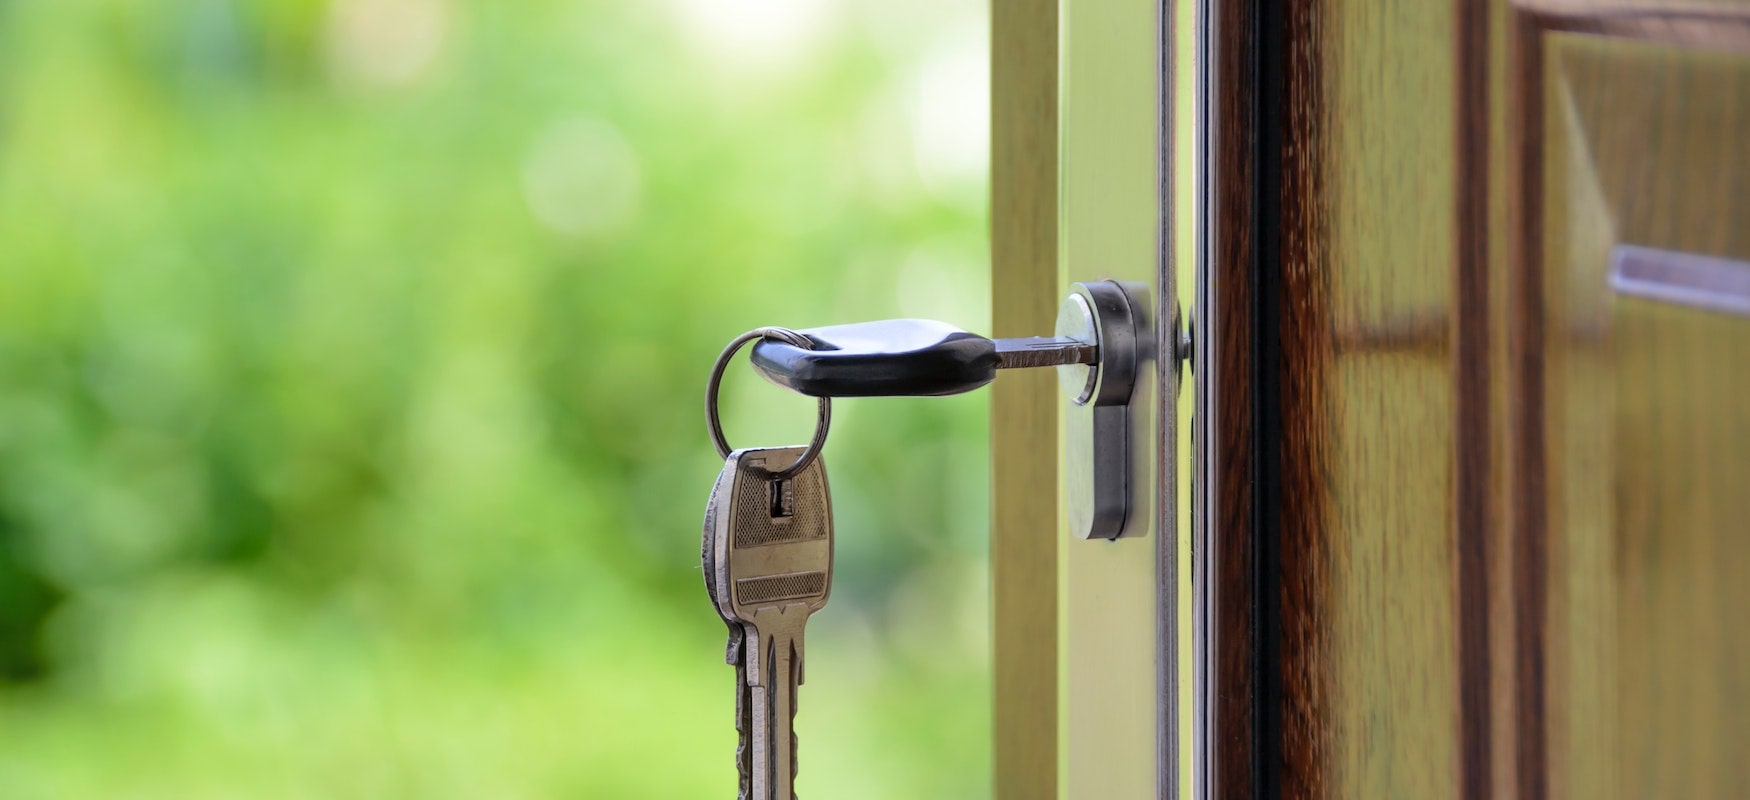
(1475, 508)
(1450, 500)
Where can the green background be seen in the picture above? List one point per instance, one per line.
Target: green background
(351, 367)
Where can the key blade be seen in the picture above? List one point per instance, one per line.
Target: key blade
(1040, 351)
(774, 716)
(744, 704)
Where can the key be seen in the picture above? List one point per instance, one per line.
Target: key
(908, 357)
(733, 654)
(772, 571)
(1104, 339)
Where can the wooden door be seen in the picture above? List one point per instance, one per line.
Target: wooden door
(1469, 507)
(1474, 400)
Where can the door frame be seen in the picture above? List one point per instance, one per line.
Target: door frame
(1088, 100)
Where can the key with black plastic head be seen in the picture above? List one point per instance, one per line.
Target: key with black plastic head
(905, 357)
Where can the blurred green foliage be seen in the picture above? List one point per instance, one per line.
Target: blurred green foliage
(351, 361)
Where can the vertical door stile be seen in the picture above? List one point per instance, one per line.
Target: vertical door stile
(1025, 292)
(1116, 621)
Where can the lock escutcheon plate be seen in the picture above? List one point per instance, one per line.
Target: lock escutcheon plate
(1097, 429)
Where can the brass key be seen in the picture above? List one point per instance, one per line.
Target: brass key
(772, 569)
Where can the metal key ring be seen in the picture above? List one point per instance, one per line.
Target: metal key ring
(821, 424)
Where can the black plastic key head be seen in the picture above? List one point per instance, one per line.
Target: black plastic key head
(889, 358)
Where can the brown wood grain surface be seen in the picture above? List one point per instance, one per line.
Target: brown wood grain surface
(1342, 523)
(1360, 446)
(1647, 428)
(1227, 570)
(1475, 507)
(1477, 522)
(1525, 570)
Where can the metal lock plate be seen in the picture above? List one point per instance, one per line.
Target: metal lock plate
(1098, 451)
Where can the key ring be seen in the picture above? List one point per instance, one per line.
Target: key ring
(821, 425)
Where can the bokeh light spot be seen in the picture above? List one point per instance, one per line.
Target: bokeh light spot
(951, 115)
(755, 36)
(382, 44)
(581, 178)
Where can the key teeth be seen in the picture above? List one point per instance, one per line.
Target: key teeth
(795, 766)
(743, 723)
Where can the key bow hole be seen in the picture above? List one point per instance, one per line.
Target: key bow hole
(783, 500)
